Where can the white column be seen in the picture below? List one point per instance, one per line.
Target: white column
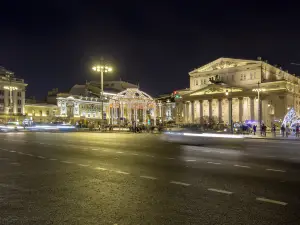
(23, 102)
(241, 109)
(252, 108)
(15, 101)
(210, 108)
(154, 119)
(6, 101)
(144, 115)
(192, 111)
(201, 110)
(230, 113)
(220, 110)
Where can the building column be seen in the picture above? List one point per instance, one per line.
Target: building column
(201, 110)
(15, 101)
(154, 119)
(230, 113)
(144, 115)
(6, 101)
(241, 112)
(210, 108)
(192, 111)
(23, 102)
(220, 110)
(252, 108)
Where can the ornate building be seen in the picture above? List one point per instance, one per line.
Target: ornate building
(127, 107)
(12, 96)
(238, 90)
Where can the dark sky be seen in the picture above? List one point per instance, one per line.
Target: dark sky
(156, 43)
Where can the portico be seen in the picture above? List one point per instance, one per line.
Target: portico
(235, 94)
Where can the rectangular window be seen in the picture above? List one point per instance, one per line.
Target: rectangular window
(196, 82)
(1, 100)
(1, 108)
(19, 102)
(1, 92)
(19, 110)
(47, 112)
(242, 76)
(19, 94)
(41, 113)
(232, 77)
(245, 77)
(204, 81)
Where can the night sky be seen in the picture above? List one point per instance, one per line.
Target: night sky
(153, 43)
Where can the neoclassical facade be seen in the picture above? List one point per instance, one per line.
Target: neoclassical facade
(128, 107)
(238, 90)
(12, 95)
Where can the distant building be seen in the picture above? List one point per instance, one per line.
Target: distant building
(12, 96)
(226, 90)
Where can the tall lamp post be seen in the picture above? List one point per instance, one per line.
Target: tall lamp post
(258, 90)
(102, 68)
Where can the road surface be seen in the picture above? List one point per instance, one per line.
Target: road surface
(96, 178)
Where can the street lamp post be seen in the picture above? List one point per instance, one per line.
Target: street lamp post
(258, 90)
(102, 68)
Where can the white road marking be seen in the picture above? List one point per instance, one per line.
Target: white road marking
(150, 156)
(120, 152)
(206, 151)
(148, 177)
(41, 157)
(95, 149)
(180, 183)
(220, 191)
(12, 151)
(215, 163)
(29, 154)
(15, 163)
(242, 166)
(53, 159)
(121, 172)
(85, 165)
(190, 160)
(66, 162)
(271, 201)
(21, 153)
(100, 168)
(42, 143)
(274, 170)
(271, 156)
(170, 158)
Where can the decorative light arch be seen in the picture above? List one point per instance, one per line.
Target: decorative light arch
(129, 103)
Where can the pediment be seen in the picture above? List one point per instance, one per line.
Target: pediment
(215, 89)
(223, 63)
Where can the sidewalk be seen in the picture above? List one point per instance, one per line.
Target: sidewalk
(270, 136)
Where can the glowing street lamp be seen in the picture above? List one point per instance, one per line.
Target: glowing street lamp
(101, 68)
(258, 90)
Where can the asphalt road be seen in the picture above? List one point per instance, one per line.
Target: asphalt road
(94, 178)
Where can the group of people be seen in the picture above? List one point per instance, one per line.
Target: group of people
(263, 129)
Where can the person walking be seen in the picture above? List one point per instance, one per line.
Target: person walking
(254, 129)
(282, 129)
(297, 130)
(274, 130)
(287, 131)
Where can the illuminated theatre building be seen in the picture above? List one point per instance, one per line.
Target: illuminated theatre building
(127, 107)
(12, 96)
(237, 89)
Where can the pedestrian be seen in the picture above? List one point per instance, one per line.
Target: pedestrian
(254, 129)
(274, 130)
(297, 130)
(287, 131)
(282, 129)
